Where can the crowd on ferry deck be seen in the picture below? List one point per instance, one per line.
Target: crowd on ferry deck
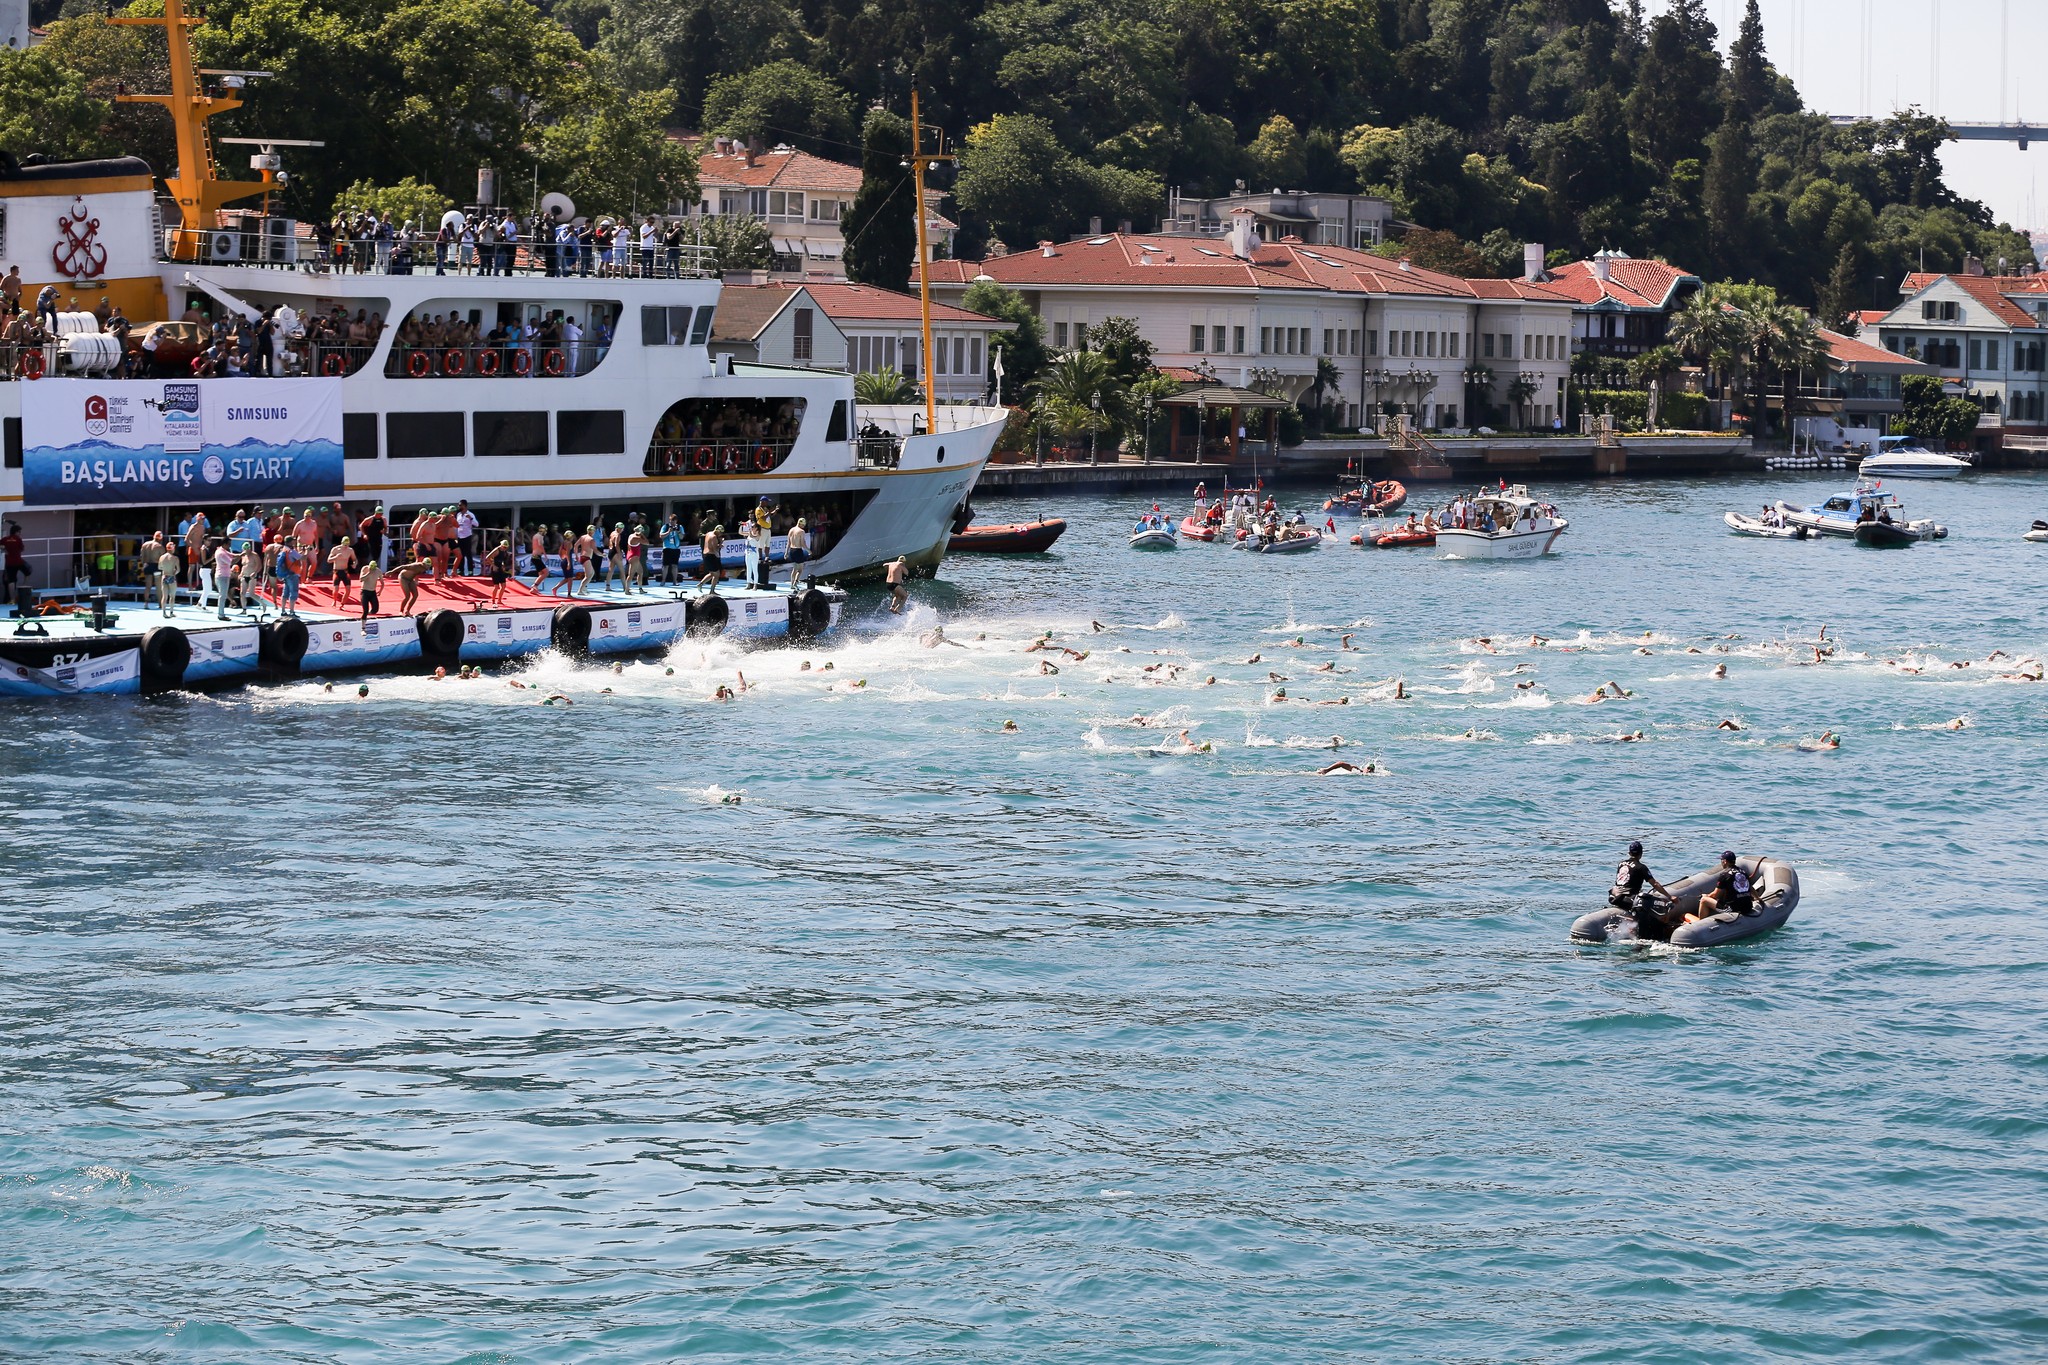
(503, 244)
(518, 349)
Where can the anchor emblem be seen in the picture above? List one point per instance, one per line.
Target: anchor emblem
(78, 255)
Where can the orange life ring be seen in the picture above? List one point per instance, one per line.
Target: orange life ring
(554, 364)
(705, 460)
(454, 361)
(31, 365)
(764, 459)
(487, 364)
(522, 363)
(330, 364)
(417, 365)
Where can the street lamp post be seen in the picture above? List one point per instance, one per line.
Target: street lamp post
(1148, 429)
(1201, 426)
(1094, 424)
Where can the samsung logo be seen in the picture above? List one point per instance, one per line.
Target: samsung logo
(258, 414)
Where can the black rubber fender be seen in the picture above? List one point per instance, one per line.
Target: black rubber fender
(571, 631)
(166, 651)
(441, 635)
(962, 516)
(283, 643)
(706, 614)
(810, 614)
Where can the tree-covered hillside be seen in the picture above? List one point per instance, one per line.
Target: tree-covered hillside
(1578, 123)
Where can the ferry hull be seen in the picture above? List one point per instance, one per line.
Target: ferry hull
(1516, 545)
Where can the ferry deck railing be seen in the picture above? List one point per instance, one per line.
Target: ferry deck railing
(423, 255)
(710, 455)
(509, 360)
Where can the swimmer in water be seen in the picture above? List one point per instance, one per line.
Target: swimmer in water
(1828, 740)
(1525, 686)
(1280, 695)
(1274, 677)
(1959, 723)
(1400, 690)
(1187, 741)
(1340, 766)
(1256, 659)
(554, 697)
(327, 687)
(617, 669)
(804, 667)
(515, 684)
(825, 667)
(363, 690)
(668, 672)
(723, 693)
(1341, 701)
(1538, 641)
(1346, 644)
(858, 683)
(1729, 725)
(1618, 690)
(1330, 667)
(1720, 671)
(440, 675)
(1209, 681)
(1097, 627)
(1009, 727)
(1045, 667)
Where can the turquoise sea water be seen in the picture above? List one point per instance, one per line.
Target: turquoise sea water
(447, 1026)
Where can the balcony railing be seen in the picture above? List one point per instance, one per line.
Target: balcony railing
(426, 256)
(560, 360)
(713, 457)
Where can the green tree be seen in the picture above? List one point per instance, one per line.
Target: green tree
(1128, 353)
(1442, 252)
(1023, 345)
(784, 101)
(738, 241)
(1013, 176)
(1278, 155)
(45, 108)
(1730, 180)
(882, 387)
(1749, 72)
(409, 201)
(1086, 380)
(615, 156)
(880, 225)
(1676, 101)
(109, 60)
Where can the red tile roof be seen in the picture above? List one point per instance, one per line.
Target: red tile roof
(755, 304)
(1206, 263)
(785, 170)
(1983, 288)
(1630, 282)
(1847, 350)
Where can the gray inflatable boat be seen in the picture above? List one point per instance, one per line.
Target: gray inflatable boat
(1775, 896)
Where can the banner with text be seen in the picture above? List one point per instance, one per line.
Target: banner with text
(145, 442)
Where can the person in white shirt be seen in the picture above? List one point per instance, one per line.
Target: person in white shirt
(650, 239)
(572, 343)
(465, 536)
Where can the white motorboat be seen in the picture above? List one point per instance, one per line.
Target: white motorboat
(1842, 515)
(1901, 460)
(1757, 526)
(2038, 533)
(1159, 537)
(1521, 527)
(1292, 540)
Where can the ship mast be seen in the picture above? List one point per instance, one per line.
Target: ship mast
(918, 158)
(197, 186)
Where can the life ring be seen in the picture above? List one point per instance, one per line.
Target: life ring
(331, 364)
(553, 363)
(31, 365)
(732, 461)
(671, 461)
(764, 459)
(705, 460)
(487, 364)
(417, 364)
(522, 363)
(454, 361)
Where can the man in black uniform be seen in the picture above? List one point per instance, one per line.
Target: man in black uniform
(1628, 885)
(1731, 892)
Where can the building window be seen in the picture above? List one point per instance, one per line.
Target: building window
(1372, 341)
(1991, 355)
(1216, 340)
(1329, 341)
(1430, 342)
(801, 337)
(757, 203)
(1526, 348)
(358, 438)
(938, 355)
(1197, 334)
(959, 355)
(975, 350)
(787, 205)
(1454, 352)
(1354, 346)
(1976, 354)
(1265, 341)
(1059, 336)
(1488, 336)
(1237, 341)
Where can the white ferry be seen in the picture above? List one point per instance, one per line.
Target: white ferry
(608, 407)
(1503, 524)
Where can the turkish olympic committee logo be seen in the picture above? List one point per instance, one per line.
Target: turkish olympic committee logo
(96, 416)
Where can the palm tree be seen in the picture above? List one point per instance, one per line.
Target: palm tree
(1651, 369)
(1088, 381)
(1788, 340)
(882, 387)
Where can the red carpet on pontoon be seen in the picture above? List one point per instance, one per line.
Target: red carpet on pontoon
(457, 594)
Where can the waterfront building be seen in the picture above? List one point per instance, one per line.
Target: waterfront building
(1987, 337)
(1257, 315)
(853, 327)
(800, 197)
(1624, 304)
(1316, 218)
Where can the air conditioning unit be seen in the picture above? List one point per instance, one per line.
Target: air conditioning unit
(223, 246)
(280, 241)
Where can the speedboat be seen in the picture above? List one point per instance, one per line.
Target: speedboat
(1899, 460)
(1774, 894)
(1015, 538)
(1757, 526)
(1841, 514)
(1154, 537)
(2038, 534)
(1523, 527)
(1194, 528)
(1373, 499)
(1292, 540)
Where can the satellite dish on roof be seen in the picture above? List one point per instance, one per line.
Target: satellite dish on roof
(453, 219)
(557, 207)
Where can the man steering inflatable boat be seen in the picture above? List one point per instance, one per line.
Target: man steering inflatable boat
(1739, 898)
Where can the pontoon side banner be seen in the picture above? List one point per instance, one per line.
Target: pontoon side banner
(144, 442)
